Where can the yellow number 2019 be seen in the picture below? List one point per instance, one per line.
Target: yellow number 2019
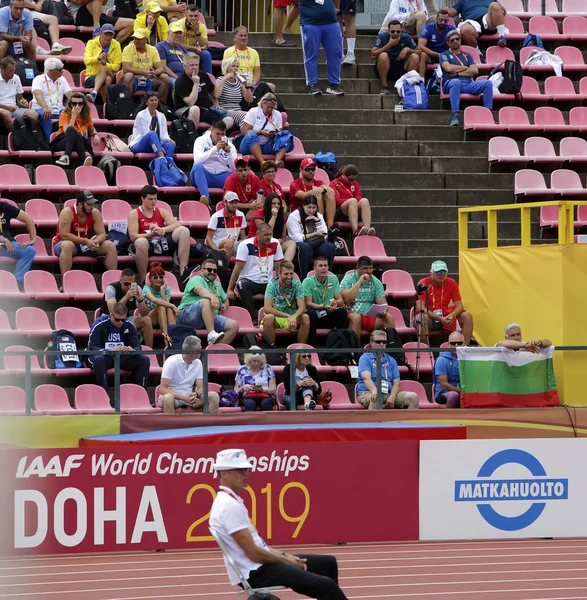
(189, 537)
(300, 519)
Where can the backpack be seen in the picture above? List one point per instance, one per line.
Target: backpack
(327, 162)
(415, 96)
(258, 339)
(126, 9)
(59, 10)
(513, 77)
(533, 40)
(178, 333)
(26, 134)
(183, 132)
(433, 85)
(109, 165)
(340, 248)
(63, 340)
(26, 70)
(394, 341)
(166, 173)
(42, 30)
(228, 397)
(119, 103)
(341, 338)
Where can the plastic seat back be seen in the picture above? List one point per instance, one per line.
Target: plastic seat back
(115, 210)
(550, 117)
(502, 148)
(529, 180)
(12, 400)
(42, 212)
(79, 282)
(368, 245)
(565, 179)
(571, 55)
(573, 147)
(109, 277)
(513, 115)
(31, 318)
(92, 399)
(556, 86)
(544, 26)
(127, 175)
(194, 213)
(535, 7)
(17, 362)
(71, 318)
(539, 148)
(52, 399)
(14, 175)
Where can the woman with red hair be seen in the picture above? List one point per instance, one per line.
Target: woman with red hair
(158, 300)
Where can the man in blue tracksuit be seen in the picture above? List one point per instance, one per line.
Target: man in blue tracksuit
(320, 26)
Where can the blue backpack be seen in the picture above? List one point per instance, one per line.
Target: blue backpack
(533, 40)
(64, 341)
(166, 173)
(415, 96)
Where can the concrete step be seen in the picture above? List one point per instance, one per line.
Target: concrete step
(295, 55)
(297, 85)
(271, 68)
(342, 117)
(453, 149)
(357, 146)
(485, 197)
(414, 214)
(425, 247)
(485, 181)
(340, 132)
(262, 41)
(326, 101)
(435, 133)
(387, 164)
(400, 181)
(421, 230)
(419, 266)
(384, 198)
(451, 164)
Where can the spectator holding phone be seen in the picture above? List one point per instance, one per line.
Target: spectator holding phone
(255, 382)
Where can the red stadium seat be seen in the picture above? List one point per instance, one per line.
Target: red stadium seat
(530, 90)
(16, 364)
(162, 205)
(5, 328)
(574, 7)
(548, 118)
(567, 183)
(400, 324)
(78, 50)
(74, 319)
(369, 245)
(52, 178)
(115, 210)
(155, 367)
(514, 118)
(42, 212)
(575, 28)
(495, 55)
(479, 118)
(578, 115)
(134, 399)
(409, 385)
(32, 321)
(284, 178)
(548, 216)
(242, 317)
(504, 150)
(15, 178)
(573, 149)
(193, 213)
(560, 89)
(9, 286)
(130, 179)
(340, 396)
(92, 178)
(322, 175)
(80, 285)
(514, 8)
(91, 399)
(227, 364)
(528, 182)
(572, 57)
(545, 27)
(539, 149)
(535, 8)
(41, 256)
(42, 286)
(109, 277)
(171, 280)
(100, 149)
(12, 400)
(398, 284)
(525, 52)
(52, 400)
(426, 358)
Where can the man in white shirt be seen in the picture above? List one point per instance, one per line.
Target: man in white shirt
(214, 156)
(227, 226)
(182, 380)
(12, 102)
(313, 575)
(412, 14)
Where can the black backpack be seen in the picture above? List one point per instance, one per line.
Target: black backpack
(178, 333)
(259, 339)
(59, 10)
(26, 134)
(42, 30)
(183, 132)
(341, 338)
(126, 9)
(394, 341)
(513, 77)
(64, 341)
(119, 103)
(26, 70)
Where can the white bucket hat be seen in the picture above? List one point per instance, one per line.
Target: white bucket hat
(232, 459)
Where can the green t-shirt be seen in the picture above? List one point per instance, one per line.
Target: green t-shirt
(321, 293)
(284, 300)
(368, 292)
(190, 297)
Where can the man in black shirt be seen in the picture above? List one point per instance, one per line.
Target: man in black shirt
(23, 252)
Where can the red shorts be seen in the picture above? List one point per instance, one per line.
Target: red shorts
(282, 3)
(368, 323)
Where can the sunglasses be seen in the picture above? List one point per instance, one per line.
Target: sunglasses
(440, 272)
(125, 283)
(77, 103)
(395, 32)
(305, 356)
(117, 320)
(211, 270)
(442, 20)
(310, 169)
(379, 341)
(157, 276)
(456, 343)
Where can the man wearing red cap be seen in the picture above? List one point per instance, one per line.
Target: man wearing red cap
(246, 185)
(306, 186)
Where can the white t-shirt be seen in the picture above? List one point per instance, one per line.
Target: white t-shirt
(227, 516)
(224, 228)
(9, 90)
(53, 92)
(182, 376)
(260, 122)
(259, 262)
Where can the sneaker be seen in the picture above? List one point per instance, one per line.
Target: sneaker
(482, 57)
(214, 337)
(41, 51)
(285, 44)
(385, 91)
(58, 48)
(91, 97)
(360, 231)
(371, 231)
(349, 59)
(204, 200)
(20, 284)
(185, 274)
(314, 90)
(502, 42)
(89, 161)
(96, 31)
(63, 161)
(332, 233)
(454, 120)
(310, 405)
(335, 90)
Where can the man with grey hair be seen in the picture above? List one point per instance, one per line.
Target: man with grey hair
(513, 340)
(182, 380)
(12, 102)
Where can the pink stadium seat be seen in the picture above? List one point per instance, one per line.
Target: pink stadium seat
(78, 49)
(573, 149)
(400, 324)
(284, 178)
(279, 405)
(171, 281)
(535, 8)
(155, 368)
(495, 55)
(91, 399)
(134, 399)
(516, 27)
(42, 286)
(52, 400)
(575, 28)
(16, 363)
(504, 150)
(539, 149)
(578, 114)
(193, 213)
(20, 154)
(408, 385)
(479, 118)
(528, 182)
(98, 122)
(242, 317)
(227, 364)
(344, 260)
(426, 359)
(5, 328)
(12, 400)
(92, 178)
(162, 205)
(560, 89)
(567, 183)
(581, 216)
(548, 216)
(514, 118)
(109, 277)
(530, 90)
(548, 118)
(32, 321)
(474, 53)
(100, 149)
(52, 178)
(41, 256)
(115, 210)
(514, 8)
(574, 7)
(130, 179)
(398, 284)
(15, 178)
(74, 319)
(9, 286)
(43, 212)
(545, 27)
(572, 57)
(525, 52)
(340, 396)
(80, 285)
(322, 175)
(369, 245)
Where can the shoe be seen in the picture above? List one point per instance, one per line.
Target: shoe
(214, 337)
(335, 90)
(349, 59)
(58, 48)
(454, 120)
(482, 57)
(310, 405)
(360, 231)
(280, 164)
(371, 231)
(20, 284)
(89, 161)
(91, 97)
(285, 44)
(204, 200)
(41, 51)
(185, 274)
(314, 90)
(332, 233)
(168, 341)
(385, 91)
(502, 42)
(96, 31)
(63, 161)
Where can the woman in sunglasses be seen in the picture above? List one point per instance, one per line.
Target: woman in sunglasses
(158, 300)
(308, 386)
(76, 132)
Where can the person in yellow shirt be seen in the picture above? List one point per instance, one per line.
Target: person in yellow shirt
(102, 58)
(195, 37)
(152, 20)
(172, 10)
(142, 68)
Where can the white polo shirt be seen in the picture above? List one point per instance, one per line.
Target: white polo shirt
(9, 90)
(259, 262)
(227, 516)
(226, 227)
(182, 375)
(53, 92)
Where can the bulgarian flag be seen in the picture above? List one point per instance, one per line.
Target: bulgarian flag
(495, 377)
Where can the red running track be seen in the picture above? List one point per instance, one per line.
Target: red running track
(497, 570)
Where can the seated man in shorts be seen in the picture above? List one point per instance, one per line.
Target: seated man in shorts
(227, 227)
(103, 59)
(480, 17)
(12, 102)
(86, 13)
(432, 41)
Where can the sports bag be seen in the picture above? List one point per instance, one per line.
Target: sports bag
(513, 77)
(178, 333)
(109, 165)
(59, 10)
(64, 341)
(183, 132)
(26, 70)
(394, 341)
(533, 40)
(114, 144)
(341, 338)
(415, 96)
(126, 9)
(166, 173)
(26, 134)
(228, 397)
(119, 103)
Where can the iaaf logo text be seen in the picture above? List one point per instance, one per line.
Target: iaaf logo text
(53, 466)
(485, 490)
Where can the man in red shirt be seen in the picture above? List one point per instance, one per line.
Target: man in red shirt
(247, 185)
(306, 186)
(441, 305)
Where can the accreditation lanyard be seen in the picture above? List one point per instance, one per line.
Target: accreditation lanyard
(53, 95)
(81, 229)
(230, 493)
(413, 5)
(383, 366)
(459, 59)
(227, 223)
(290, 304)
(242, 192)
(434, 296)
(179, 53)
(12, 30)
(154, 126)
(324, 288)
(264, 270)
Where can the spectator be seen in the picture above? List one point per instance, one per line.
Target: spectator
(432, 40)
(319, 25)
(441, 306)
(202, 302)
(231, 92)
(22, 252)
(361, 289)
(196, 36)
(115, 333)
(81, 232)
(17, 31)
(103, 59)
(350, 202)
(306, 186)
(307, 229)
(513, 340)
(268, 183)
(182, 380)
(227, 227)
(348, 12)
(130, 295)
(411, 14)
(214, 156)
(152, 20)
(255, 260)
(324, 302)
(307, 380)
(149, 132)
(388, 378)
(156, 232)
(395, 54)
(87, 13)
(273, 213)
(260, 127)
(192, 95)
(458, 70)
(76, 132)
(157, 294)
(480, 17)
(247, 185)
(279, 10)
(255, 382)
(171, 10)
(142, 68)
(284, 305)
(12, 101)
(49, 90)
(172, 53)
(447, 381)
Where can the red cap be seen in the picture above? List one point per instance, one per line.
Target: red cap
(241, 158)
(307, 162)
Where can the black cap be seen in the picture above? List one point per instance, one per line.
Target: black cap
(87, 197)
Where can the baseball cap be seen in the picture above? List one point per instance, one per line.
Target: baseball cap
(176, 26)
(141, 34)
(87, 197)
(231, 197)
(107, 28)
(232, 459)
(438, 265)
(153, 7)
(241, 158)
(307, 162)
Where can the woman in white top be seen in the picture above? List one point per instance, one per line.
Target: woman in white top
(306, 227)
(149, 133)
(230, 89)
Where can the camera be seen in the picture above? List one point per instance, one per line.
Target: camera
(421, 288)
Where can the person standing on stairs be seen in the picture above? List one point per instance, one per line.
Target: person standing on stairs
(347, 11)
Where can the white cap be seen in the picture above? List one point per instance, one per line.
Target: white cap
(232, 459)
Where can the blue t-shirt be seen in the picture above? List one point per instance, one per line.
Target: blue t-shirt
(446, 364)
(405, 41)
(313, 13)
(7, 212)
(472, 9)
(10, 26)
(460, 59)
(389, 370)
(436, 40)
(173, 56)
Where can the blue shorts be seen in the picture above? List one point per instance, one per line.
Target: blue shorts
(145, 88)
(348, 7)
(78, 251)
(192, 317)
(89, 82)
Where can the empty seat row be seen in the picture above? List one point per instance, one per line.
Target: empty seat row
(563, 182)
(568, 7)
(537, 150)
